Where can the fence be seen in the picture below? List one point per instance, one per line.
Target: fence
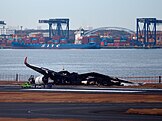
(140, 79)
(14, 77)
(143, 79)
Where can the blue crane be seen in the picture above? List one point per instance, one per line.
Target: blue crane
(148, 30)
(58, 27)
(2, 22)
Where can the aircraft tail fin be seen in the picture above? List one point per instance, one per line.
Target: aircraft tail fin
(25, 61)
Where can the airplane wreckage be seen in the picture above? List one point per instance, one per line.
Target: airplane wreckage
(66, 78)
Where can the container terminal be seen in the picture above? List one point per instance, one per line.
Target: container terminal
(59, 35)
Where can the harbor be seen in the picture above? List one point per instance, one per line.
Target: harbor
(60, 36)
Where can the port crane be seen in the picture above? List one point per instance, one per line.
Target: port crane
(2, 23)
(2, 29)
(146, 30)
(58, 27)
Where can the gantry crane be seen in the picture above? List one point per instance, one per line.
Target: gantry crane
(58, 27)
(2, 23)
(148, 30)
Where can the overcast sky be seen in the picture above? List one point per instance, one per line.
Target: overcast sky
(82, 13)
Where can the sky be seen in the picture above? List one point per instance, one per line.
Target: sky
(82, 13)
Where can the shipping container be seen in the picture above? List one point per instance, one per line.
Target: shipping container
(27, 41)
(104, 39)
(116, 43)
(102, 43)
(34, 40)
(3, 45)
(116, 40)
(56, 37)
(41, 40)
(85, 40)
(55, 41)
(123, 40)
(92, 39)
(63, 41)
(110, 44)
(50, 42)
(151, 40)
(9, 42)
(122, 43)
(110, 40)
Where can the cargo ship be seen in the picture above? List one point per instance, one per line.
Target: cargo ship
(22, 45)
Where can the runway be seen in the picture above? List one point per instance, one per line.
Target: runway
(83, 89)
(110, 111)
(82, 111)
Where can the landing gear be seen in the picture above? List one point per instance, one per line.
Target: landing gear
(49, 86)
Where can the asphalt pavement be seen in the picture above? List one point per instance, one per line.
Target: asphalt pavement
(82, 89)
(98, 112)
(82, 111)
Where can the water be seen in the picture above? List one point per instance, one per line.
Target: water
(113, 62)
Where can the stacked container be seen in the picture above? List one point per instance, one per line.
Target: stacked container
(63, 41)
